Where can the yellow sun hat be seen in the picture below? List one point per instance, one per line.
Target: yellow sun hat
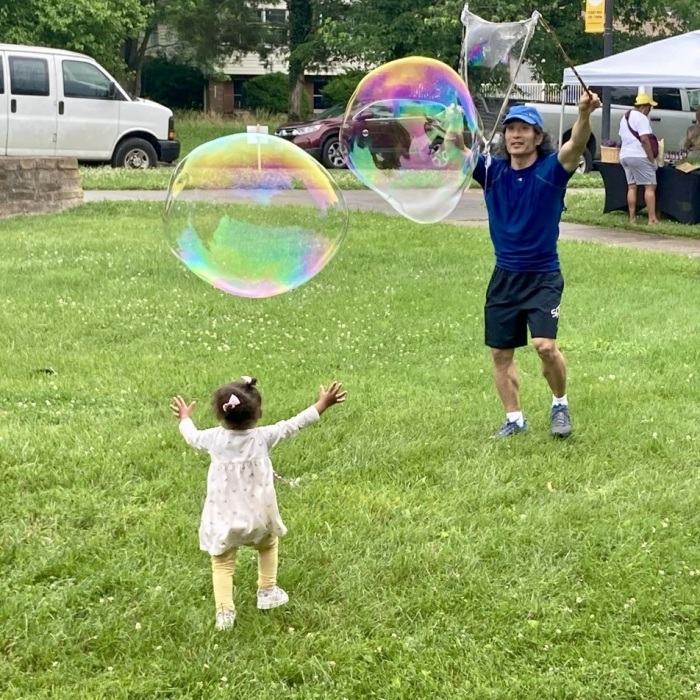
(644, 100)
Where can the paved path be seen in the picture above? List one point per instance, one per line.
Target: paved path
(470, 211)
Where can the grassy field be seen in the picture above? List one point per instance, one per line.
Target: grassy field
(424, 560)
(587, 208)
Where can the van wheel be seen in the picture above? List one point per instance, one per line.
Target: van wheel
(135, 154)
(332, 156)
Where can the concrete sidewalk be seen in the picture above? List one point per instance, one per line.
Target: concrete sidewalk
(471, 211)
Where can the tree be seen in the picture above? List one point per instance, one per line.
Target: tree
(384, 30)
(199, 31)
(94, 28)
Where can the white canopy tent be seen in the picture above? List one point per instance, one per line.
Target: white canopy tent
(673, 62)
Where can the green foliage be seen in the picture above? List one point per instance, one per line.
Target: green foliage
(377, 32)
(269, 91)
(95, 28)
(172, 83)
(339, 90)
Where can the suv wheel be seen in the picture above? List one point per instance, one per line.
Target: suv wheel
(585, 164)
(331, 155)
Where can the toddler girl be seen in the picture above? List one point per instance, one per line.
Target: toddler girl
(241, 506)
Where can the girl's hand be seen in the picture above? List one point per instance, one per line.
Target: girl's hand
(181, 409)
(330, 396)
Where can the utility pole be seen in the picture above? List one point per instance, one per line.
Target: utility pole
(607, 51)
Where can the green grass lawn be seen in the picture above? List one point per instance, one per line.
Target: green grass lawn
(423, 560)
(108, 178)
(587, 208)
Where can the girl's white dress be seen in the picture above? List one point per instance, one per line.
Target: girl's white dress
(241, 506)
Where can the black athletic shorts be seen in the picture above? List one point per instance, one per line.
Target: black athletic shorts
(518, 300)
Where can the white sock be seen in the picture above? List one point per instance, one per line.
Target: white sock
(516, 417)
(563, 401)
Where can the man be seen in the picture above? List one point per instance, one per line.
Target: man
(637, 158)
(524, 192)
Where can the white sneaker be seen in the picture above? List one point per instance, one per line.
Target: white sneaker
(225, 619)
(273, 598)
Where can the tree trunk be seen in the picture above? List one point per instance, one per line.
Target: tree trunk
(300, 30)
(134, 54)
(297, 107)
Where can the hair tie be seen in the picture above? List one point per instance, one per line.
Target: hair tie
(248, 380)
(231, 403)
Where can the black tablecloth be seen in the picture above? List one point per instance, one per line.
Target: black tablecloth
(677, 193)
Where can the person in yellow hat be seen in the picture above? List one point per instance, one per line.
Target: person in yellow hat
(638, 152)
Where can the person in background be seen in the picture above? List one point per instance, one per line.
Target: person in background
(692, 138)
(637, 157)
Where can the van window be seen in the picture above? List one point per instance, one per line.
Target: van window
(694, 99)
(2, 78)
(668, 98)
(29, 76)
(619, 95)
(83, 80)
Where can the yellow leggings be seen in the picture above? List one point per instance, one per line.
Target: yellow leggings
(223, 566)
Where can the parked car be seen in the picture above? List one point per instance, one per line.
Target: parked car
(376, 126)
(670, 120)
(62, 103)
(319, 136)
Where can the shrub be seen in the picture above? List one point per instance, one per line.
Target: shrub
(268, 92)
(339, 90)
(174, 84)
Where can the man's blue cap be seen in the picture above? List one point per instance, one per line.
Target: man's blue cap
(526, 114)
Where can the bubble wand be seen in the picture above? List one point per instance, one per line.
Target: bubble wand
(552, 33)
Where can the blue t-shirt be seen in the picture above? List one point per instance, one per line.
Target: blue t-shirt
(524, 207)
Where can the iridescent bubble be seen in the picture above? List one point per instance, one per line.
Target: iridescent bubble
(411, 133)
(254, 215)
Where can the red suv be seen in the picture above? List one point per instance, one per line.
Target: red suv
(377, 127)
(320, 137)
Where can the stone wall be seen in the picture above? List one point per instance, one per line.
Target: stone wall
(38, 185)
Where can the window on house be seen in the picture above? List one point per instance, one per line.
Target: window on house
(238, 93)
(318, 93)
(277, 25)
(277, 17)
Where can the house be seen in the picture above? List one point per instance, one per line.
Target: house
(224, 96)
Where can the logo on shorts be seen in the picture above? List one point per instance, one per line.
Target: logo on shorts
(555, 312)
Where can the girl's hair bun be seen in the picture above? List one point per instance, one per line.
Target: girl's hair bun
(249, 381)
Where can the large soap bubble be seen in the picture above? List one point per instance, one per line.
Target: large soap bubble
(411, 133)
(254, 215)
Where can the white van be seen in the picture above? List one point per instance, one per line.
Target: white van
(61, 103)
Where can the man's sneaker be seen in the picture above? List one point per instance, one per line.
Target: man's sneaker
(560, 421)
(510, 428)
(273, 598)
(225, 619)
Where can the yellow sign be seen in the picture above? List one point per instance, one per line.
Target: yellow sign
(595, 16)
